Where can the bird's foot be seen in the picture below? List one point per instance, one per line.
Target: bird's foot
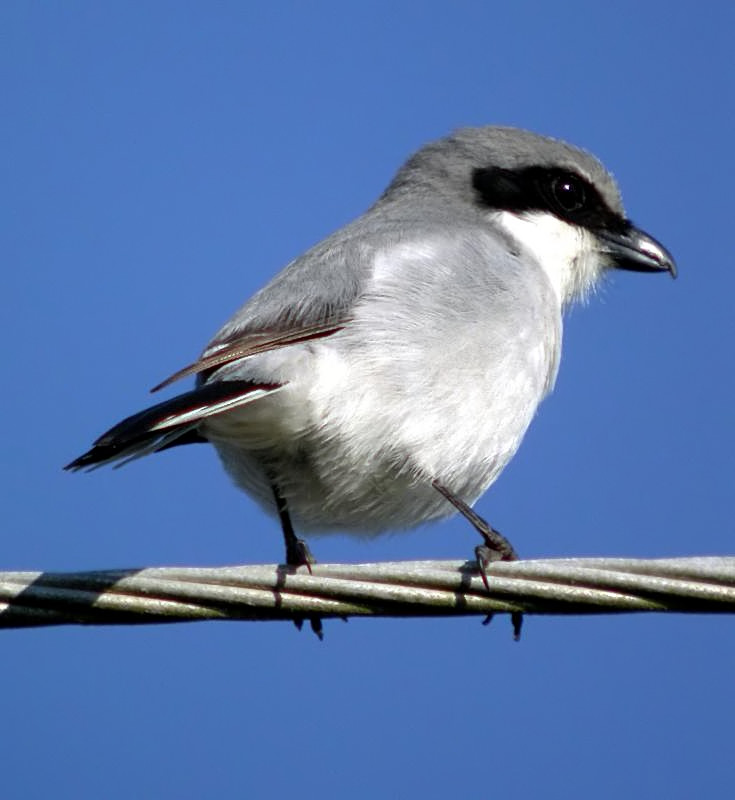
(299, 555)
(494, 547)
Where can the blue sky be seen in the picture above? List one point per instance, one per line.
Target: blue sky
(160, 162)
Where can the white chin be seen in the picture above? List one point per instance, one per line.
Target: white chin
(566, 253)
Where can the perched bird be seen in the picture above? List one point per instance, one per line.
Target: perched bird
(387, 376)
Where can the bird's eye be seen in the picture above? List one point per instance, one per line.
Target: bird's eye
(568, 193)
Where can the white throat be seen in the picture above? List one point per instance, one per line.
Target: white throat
(565, 252)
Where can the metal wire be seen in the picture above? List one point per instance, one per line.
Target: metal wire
(390, 589)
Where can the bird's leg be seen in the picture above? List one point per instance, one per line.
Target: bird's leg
(495, 546)
(297, 553)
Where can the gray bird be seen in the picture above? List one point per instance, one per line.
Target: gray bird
(388, 375)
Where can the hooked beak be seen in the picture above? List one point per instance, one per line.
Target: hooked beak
(635, 250)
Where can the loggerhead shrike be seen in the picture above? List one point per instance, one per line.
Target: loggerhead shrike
(387, 376)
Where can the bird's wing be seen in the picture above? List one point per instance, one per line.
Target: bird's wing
(311, 298)
(242, 345)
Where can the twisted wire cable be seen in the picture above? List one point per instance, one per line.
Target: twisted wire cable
(388, 589)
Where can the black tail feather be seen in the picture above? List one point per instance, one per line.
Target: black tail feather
(167, 424)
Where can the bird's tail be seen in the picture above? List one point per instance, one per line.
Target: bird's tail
(172, 422)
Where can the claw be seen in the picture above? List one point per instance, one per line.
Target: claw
(316, 626)
(483, 558)
(516, 620)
